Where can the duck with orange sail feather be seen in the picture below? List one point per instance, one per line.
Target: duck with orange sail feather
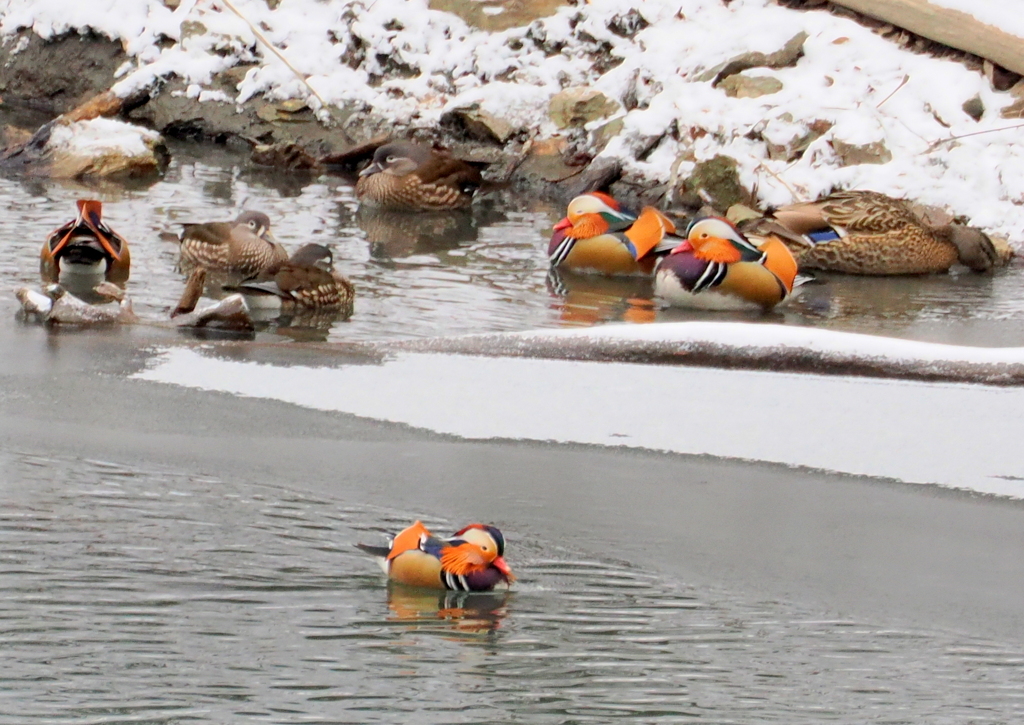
(85, 251)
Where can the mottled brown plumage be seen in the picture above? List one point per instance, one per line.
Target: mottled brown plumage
(865, 232)
(405, 176)
(245, 246)
(307, 279)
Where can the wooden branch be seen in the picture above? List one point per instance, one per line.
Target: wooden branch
(949, 27)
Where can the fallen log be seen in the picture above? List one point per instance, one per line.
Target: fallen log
(950, 27)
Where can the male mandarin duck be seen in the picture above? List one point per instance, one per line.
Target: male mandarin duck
(85, 251)
(865, 232)
(245, 246)
(718, 268)
(598, 236)
(307, 279)
(406, 176)
(471, 560)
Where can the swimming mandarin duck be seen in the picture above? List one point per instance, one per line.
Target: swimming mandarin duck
(718, 268)
(85, 251)
(245, 246)
(598, 236)
(471, 560)
(406, 176)
(307, 279)
(865, 232)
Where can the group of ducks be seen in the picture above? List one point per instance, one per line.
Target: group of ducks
(720, 265)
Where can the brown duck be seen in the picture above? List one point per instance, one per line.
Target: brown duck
(85, 251)
(308, 279)
(865, 232)
(245, 246)
(406, 176)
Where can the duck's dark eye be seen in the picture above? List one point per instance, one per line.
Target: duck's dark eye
(252, 225)
(391, 159)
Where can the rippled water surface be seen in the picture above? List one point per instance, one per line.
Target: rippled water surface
(478, 271)
(152, 596)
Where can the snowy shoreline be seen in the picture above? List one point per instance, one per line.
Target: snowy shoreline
(852, 111)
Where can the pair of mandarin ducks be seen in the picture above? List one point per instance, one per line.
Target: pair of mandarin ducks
(86, 251)
(471, 560)
(718, 265)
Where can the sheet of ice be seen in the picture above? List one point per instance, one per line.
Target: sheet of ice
(953, 435)
(408, 64)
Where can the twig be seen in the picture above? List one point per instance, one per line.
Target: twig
(936, 144)
(795, 195)
(904, 82)
(273, 49)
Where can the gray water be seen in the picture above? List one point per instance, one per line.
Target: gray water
(130, 596)
(164, 596)
(477, 271)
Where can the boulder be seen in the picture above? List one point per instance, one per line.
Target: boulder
(579, 106)
(851, 154)
(742, 86)
(102, 147)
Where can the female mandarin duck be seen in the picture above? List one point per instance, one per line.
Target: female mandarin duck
(244, 246)
(307, 279)
(864, 232)
(599, 236)
(718, 268)
(471, 560)
(85, 251)
(406, 176)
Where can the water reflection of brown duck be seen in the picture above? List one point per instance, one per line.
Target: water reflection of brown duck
(398, 234)
(865, 232)
(85, 251)
(406, 176)
(591, 299)
(471, 612)
(245, 247)
(307, 280)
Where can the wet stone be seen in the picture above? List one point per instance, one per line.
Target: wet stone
(715, 182)
(741, 86)
(974, 108)
(849, 154)
(579, 106)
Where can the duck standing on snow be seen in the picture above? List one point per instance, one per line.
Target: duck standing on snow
(245, 246)
(718, 268)
(598, 236)
(85, 252)
(472, 560)
(308, 279)
(865, 232)
(406, 176)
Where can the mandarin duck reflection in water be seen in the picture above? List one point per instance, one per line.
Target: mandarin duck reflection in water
(307, 279)
(406, 176)
(598, 236)
(717, 268)
(85, 252)
(472, 560)
(245, 246)
(865, 232)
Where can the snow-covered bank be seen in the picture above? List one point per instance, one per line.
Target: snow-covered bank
(953, 435)
(852, 96)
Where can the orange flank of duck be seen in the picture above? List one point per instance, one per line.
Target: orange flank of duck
(780, 261)
(648, 230)
(408, 539)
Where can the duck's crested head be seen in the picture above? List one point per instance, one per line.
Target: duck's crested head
(313, 255)
(595, 202)
(257, 222)
(488, 538)
(704, 229)
(398, 158)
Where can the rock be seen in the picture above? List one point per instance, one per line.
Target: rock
(545, 161)
(102, 147)
(715, 182)
(628, 24)
(790, 53)
(741, 86)
(601, 173)
(603, 134)
(974, 107)
(190, 28)
(850, 154)
(289, 156)
(795, 147)
(1014, 110)
(480, 124)
(578, 106)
